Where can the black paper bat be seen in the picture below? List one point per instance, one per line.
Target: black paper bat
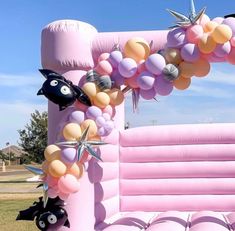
(51, 217)
(61, 91)
(229, 15)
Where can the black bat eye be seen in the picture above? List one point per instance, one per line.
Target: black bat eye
(42, 224)
(52, 219)
(65, 90)
(53, 83)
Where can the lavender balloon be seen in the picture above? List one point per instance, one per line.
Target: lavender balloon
(148, 94)
(222, 50)
(102, 132)
(115, 58)
(176, 38)
(109, 126)
(162, 86)
(155, 64)
(231, 23)
(93, 112)
(69, 155)
(100, 121)
(77, 117)
(117, 78)
(190, 52)
(219, 20)
(145, 80)
(127, 67)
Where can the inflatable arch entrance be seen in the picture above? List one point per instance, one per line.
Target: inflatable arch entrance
(182, 167)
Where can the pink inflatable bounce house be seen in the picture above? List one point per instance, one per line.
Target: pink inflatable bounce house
(162, 178)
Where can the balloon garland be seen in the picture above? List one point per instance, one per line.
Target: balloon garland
(191, 45)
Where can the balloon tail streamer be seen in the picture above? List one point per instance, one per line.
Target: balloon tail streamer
(135, 99)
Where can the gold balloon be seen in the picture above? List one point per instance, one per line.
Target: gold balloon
(76, 169)
(57, 168)
(210, 26)
(90, 89)
(182, 83)
(202, 68)
(72, 131)
(92, 127)
(52, 152)
(187, 69)
(116, 96)
(222, 34)
(137, 49)
(172, 55)
(206, 44)
(101, 100)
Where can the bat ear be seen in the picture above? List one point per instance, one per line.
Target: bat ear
(40, 92)
(50, 74)
(67, 224)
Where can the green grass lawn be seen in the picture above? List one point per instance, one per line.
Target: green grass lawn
(8, 212)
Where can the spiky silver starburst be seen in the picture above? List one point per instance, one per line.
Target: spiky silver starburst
(186, 21)
(83, 145)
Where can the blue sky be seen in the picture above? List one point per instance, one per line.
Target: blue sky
(211, 99)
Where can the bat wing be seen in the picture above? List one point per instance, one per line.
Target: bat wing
(81, 96)
(28, 214)
(229, 15)
(51, 74)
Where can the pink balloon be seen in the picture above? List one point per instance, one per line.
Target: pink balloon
(106, 116)
(63, 196)
(77, 117)
(68, 184)
(110, 110)
(155, 64)
(232, 41)
(231, 56)
(127, 67)
(104, 68)
(145, 80)
(162, 86)
(203, 20)
(222, 50)
(141, 66)
(103, 56)
(194, 33)
(176, 38)
(51, 181)
(190, 52)
(148, 94)
(52, 193)
(115, 58)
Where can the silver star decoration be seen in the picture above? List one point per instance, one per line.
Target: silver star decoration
(39, 172)
(83, 145)
(186, 21)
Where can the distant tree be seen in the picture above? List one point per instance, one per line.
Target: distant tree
(3, 156)
(33, 138)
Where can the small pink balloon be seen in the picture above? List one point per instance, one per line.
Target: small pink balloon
(194, 33)
(106, 116)
(104, 68)
(68, 184)
(146, 80)
(190, 52)
(52, 193)
(148, 94)
(110, 110)
(103, 56)
(219, 20)
(63, 196)
(222, 50)
(155, 64)
(51, 181)
(162, 86)
(141, 66)
(127, 67)
(204, 19)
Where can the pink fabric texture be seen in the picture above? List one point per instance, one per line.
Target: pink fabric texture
(145, 170)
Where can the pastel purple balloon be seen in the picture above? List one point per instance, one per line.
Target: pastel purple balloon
(231, 23)
(219, 20)
(109, 126)
(69, 155)
(93, 112)
(190, 52)
(155, 64)
(127, 67)
(146, 80)
(162, 86)
(176, 38)
(148, 94)
(117, 78)
(102, 132)
(100, 121)
(77, 117)
(115, 58)
(222, 50)
(106, 116)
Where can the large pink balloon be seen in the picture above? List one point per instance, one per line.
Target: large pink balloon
(222, 50)
(68, 184)
(145, 80)
(162, 86)
(190, 52)
(127, 67)
(176, 38)
(194, 33)
(155, 64)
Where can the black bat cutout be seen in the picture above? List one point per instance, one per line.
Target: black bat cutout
(229, 15)
(61, 91)
(51, 217)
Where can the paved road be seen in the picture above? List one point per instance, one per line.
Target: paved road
(11, 173)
